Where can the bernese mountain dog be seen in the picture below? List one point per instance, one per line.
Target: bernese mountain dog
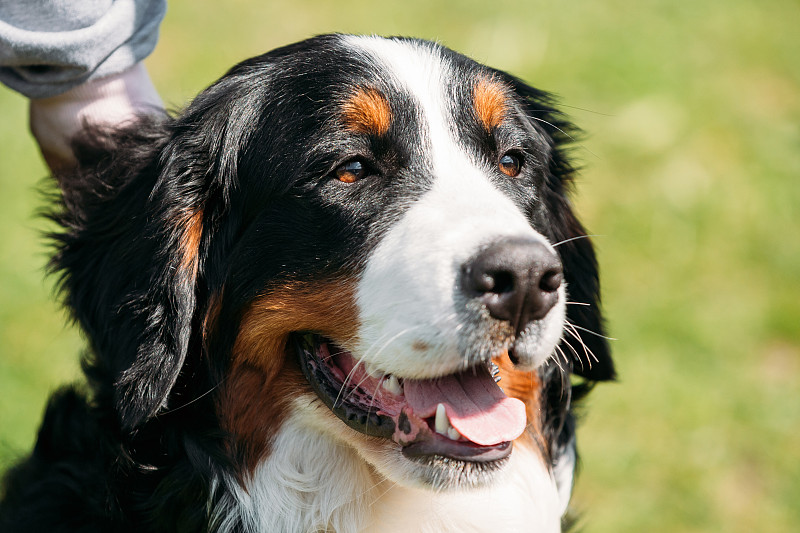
(344, 290)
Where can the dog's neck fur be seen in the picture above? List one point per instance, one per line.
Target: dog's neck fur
(310, 483)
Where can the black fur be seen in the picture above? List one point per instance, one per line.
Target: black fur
(137, 451)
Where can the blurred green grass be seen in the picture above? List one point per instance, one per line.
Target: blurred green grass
(692, 161)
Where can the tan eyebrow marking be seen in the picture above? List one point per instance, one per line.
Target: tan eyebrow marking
(490, 102)
(367, 111)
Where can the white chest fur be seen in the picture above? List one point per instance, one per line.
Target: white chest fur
(311, 483)
(524, 499)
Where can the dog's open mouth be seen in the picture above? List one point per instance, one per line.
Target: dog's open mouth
(463, 416)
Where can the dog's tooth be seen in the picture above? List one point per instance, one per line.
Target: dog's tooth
(452, 433)
(443, 426)
(392, 385)
(495, 371)
(442, 423)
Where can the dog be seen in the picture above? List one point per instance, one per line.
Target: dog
(344, 290)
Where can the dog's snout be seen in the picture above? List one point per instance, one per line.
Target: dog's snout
(517, 280)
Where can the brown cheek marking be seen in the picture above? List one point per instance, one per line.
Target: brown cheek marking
(524, 386)
(489, 99)
(190, 242)
(367, 111)
(326, 308)
(265, 376)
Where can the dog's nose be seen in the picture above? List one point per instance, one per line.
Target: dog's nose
(516, 279)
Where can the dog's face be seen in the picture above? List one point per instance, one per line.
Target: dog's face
(369, 236)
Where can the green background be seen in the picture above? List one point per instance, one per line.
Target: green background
(692, 160)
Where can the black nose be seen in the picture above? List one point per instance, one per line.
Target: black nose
(516, 279)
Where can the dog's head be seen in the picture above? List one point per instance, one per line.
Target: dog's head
(364, 233)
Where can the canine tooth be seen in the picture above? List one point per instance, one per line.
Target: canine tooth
(391, 384)
(442, 423)
(452, 433)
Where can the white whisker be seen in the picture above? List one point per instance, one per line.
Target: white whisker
(190, 402)
(577, 355)
(570, 137)
(382, 494)
(345, 383)
(592, 332)
(589, 353)
(559, 243)
(564, 374)
(555, 360)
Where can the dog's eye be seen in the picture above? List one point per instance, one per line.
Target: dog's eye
(510, 165)
(351, 171)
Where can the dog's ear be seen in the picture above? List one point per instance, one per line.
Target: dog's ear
(584, 339)
(131, 254)
(128, 259)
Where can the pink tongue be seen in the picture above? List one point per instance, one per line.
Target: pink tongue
(474, 403)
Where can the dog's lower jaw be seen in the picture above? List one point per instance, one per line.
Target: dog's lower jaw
(312, 481)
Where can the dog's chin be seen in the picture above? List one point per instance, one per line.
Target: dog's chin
(388, 462)
(434, 472)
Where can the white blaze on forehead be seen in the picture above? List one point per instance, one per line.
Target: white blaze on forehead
(408, 293)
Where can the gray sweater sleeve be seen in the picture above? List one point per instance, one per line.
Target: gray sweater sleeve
(49, 46)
